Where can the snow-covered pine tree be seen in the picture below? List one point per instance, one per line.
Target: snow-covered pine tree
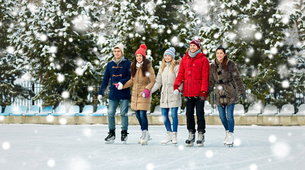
(61, 51)
(156, 23)
(10, 68)
(253, 33)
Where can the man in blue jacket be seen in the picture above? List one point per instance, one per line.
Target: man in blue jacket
(118, 71)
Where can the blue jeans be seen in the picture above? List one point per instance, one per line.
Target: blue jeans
(226, 116)
(142, 118)
(113, 104)
(166, 120)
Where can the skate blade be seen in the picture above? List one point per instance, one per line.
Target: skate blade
(189, 145)
(144, 143)
(200, 145)
(229, 145)
(124, 142)
(110, 142)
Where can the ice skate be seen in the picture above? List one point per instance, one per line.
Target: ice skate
(200, 140)
(124, 136)
(145, 138)
(226, 138)
(230, 140)
(168, 138)
(174, 138)
(190, 140)
(139, 141)
(111, 137)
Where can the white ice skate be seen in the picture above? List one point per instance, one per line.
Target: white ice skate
(230, 140)
(226, 138)
(145, 138)
(174, 138)
(168, 138)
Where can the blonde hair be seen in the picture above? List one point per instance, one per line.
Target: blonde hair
(172, 66)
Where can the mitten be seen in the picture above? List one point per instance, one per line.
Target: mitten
(203, 95)
(145, 93)
(119, 86)
(176, 92)
(99, 98)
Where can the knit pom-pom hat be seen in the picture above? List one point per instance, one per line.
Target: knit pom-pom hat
(196, 42)
(141, 50)
(170, 51)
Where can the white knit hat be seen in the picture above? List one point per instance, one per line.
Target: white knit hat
(171, 51)
(120, 46)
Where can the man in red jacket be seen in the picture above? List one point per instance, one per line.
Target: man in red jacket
(194, 73)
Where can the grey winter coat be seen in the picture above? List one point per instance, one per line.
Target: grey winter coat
(231, 86)
(166, 79)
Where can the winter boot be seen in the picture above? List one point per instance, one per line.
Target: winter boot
(191, 139)
(124, 136)
(168, 138)
(200, 140)
(145, 137)
(226, 138)
(230, 140)
(174, 138)
(111, 136)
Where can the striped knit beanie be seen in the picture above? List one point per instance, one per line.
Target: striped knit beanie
(171, 51)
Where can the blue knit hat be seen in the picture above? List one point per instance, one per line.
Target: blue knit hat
(171, 51)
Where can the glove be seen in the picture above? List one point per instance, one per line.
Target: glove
(176, 92)
(119, 86)
(203, 95)
(145, 93)
(243, 96)
(99, 98)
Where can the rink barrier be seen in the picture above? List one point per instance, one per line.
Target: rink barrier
(152, 120)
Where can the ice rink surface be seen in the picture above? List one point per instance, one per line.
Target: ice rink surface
(82, 147)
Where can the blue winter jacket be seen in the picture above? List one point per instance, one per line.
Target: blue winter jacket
(120, 73)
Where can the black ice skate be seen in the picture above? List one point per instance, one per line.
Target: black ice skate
(110, 138)
(200, 140)
(190, 140)
(124, 136)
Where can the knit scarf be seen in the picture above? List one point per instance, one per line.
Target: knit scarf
(222, 94)
(117, 62)
(192, 55)
(139, 64)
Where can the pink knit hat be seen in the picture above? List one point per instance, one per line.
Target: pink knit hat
(141, 50)
(196, 42)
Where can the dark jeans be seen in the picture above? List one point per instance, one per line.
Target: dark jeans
(142, 118)
(198, 104)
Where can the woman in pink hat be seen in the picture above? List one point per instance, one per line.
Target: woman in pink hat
(194, 74)
(142, 80)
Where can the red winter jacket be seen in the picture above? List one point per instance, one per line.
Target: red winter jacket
(194, 73)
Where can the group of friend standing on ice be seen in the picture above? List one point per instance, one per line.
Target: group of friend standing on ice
(194, 76)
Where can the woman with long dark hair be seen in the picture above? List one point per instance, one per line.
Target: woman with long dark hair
(224, 73)
(142, 80)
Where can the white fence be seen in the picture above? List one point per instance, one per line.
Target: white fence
(36, 87)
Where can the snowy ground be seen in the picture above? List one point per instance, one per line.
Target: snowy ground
(82, 147)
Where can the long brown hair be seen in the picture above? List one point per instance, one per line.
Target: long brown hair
(144, 68)
(225, 59)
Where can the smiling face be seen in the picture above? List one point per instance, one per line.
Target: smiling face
(139, 58)
(117, 54)
(193, 48)
(168, 58)
(220, 55)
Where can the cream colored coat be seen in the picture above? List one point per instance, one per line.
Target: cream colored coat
(166, 79)
(139, 83)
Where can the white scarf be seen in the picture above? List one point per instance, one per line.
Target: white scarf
(139, 64)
